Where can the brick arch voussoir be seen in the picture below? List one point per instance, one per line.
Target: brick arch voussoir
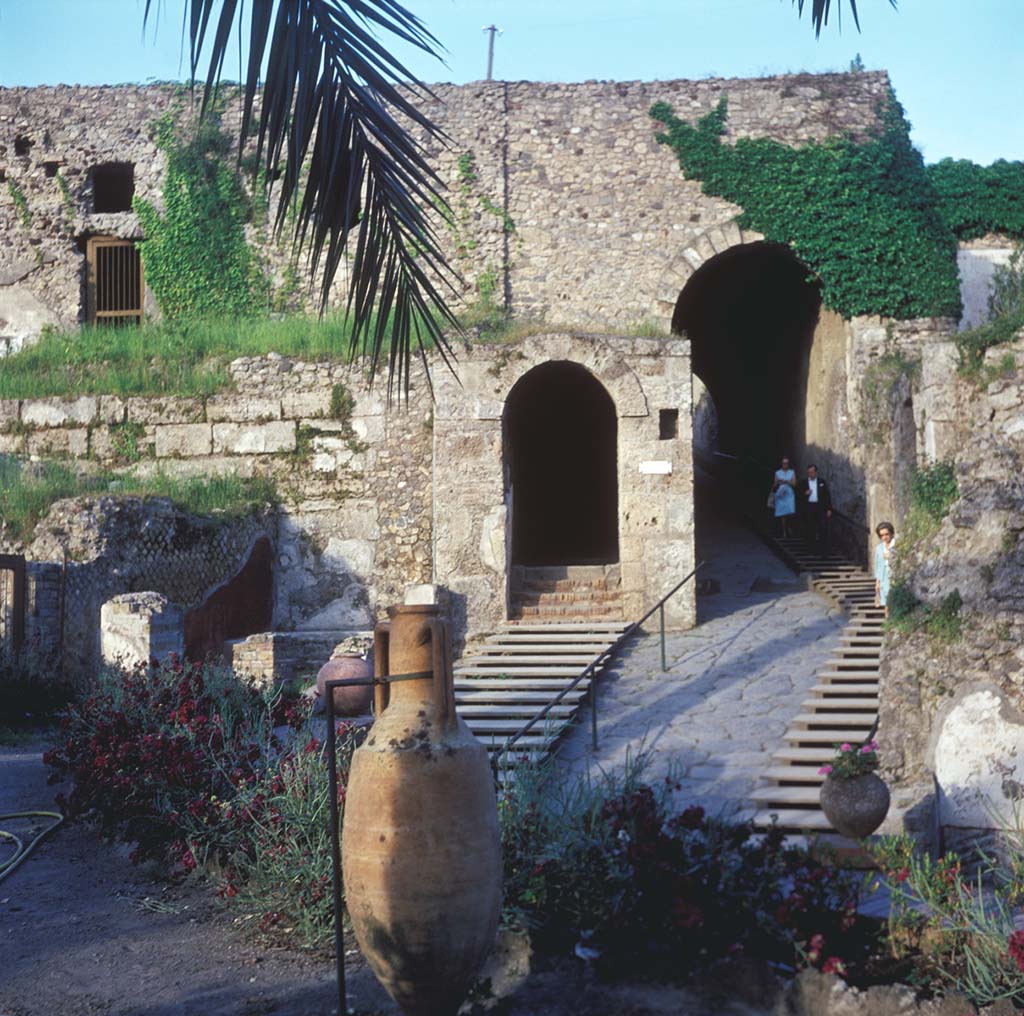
(707, 245)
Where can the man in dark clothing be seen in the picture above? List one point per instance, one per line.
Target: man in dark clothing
(816, 499)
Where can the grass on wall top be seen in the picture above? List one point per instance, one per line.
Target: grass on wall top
(179, 358)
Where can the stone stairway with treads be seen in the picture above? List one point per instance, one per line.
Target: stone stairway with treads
(508, 678)
(843, 705)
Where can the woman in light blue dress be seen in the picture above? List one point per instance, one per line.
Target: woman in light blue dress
(785, 496)
(883, 560)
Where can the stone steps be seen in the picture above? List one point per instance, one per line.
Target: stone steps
(842, 707)
(516, 672)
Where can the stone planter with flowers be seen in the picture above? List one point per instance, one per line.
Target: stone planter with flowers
(854, 797)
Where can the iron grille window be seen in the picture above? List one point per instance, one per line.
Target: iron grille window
(115, 281)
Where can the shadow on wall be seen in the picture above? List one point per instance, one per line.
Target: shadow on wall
(243, 605)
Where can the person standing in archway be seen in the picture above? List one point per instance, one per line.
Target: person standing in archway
(817, 504)
(784, 489)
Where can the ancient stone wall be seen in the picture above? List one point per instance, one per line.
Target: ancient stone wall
(563, 203)
(354, 526)
(955, 708)
(472, 493)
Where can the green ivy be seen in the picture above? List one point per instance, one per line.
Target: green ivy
(18, 197)
(195, 255)
(862, 216)
(975, 200)
(933, 489)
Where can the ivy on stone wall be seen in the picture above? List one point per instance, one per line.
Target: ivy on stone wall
(862, 216)
(975, 200)
(195, 255)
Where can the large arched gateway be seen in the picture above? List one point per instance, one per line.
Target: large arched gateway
(559, 441)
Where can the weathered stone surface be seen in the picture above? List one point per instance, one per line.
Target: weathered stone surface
(979, 760)
(112, 409)
(254, 439)
(61, 443)
(183, 439)
(136, 628)
(59, 412)
(165, 410)
(242, 408)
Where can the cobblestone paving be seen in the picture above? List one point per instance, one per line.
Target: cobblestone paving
(714, 719)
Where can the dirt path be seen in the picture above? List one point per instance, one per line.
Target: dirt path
(79, 937)
(83, 932)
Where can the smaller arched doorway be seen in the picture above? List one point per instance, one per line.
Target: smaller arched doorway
(560, 450)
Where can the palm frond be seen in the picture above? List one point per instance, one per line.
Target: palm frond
(328, 135)
(820, 10)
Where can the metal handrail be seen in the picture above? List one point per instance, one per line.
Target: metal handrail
(599, 661)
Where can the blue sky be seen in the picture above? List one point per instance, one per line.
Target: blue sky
(957, 65)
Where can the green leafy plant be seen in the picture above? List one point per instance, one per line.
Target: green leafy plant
(961, 929)
(861, 215)
(977, 200)
(18, 197)
(195, 254)
(933, 489)
(125, 441)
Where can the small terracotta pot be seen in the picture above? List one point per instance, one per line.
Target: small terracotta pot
(856, 807)
(353, 701)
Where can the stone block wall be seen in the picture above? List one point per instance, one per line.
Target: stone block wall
(567, 205)
(955, 709)
(472, 499)
(136, 628)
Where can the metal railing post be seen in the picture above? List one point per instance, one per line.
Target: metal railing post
(661, 618)
(593, 715)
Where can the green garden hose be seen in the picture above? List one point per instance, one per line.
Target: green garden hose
(21, 851)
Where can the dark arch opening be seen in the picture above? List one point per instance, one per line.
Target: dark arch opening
(750, 316)
(560, 439)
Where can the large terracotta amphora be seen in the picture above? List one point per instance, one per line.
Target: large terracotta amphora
(420, 847)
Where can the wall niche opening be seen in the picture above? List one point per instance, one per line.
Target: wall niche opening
(561, 461)
(113, 187)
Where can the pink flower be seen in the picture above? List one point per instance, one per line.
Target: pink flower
(866, 750)
(846, 747)
(824, 770)
(1016, 946)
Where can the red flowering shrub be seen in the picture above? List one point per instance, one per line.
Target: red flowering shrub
(608, 864)
(1015, 944)
(184, 761)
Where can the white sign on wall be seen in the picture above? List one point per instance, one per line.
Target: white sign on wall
(659, 467)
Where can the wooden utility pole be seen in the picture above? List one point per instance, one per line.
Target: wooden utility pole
(494, 30)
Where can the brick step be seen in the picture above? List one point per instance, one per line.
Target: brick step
(584, 599)
(841, 719)
(793, 797)
(496, 725)
(576, 646)
(517, 696)
(548, 684)
(496, 711)
(539, 671)
(542, 585)
(804, 756)
(564, 611)
(521, 658)
(804, 819)
(841, 703)
(826, 735)
(851, 688)
(795, 774)
(559, 627)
